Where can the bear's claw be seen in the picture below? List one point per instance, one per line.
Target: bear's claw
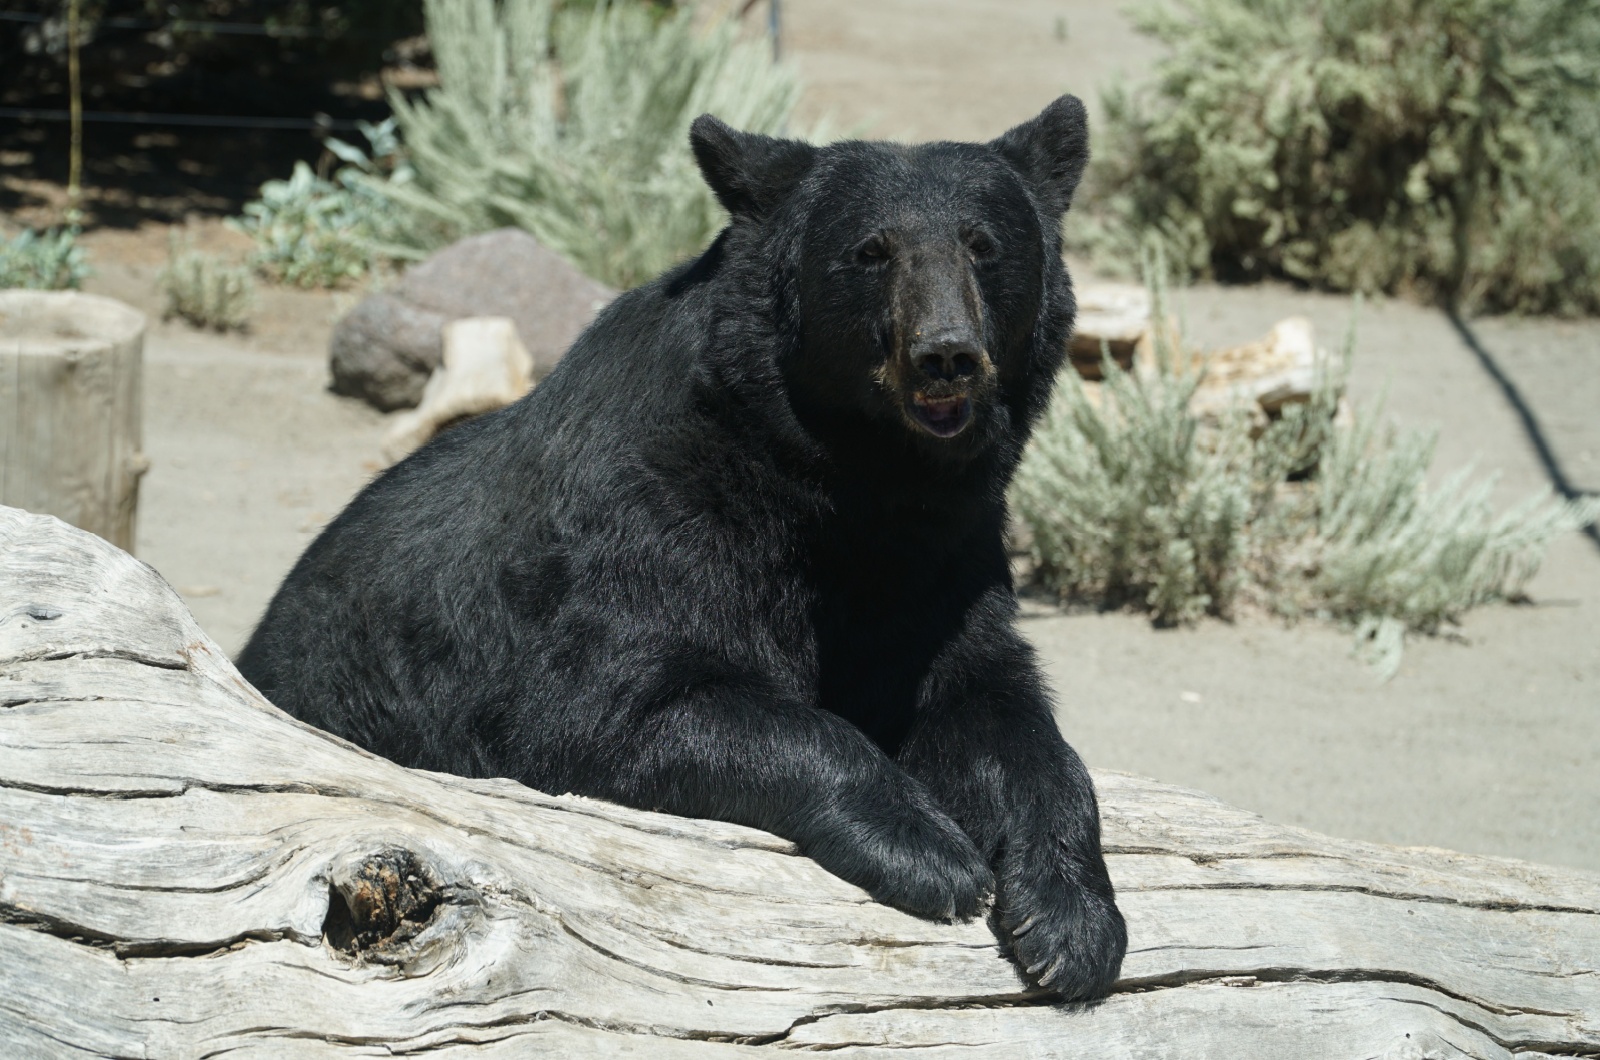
(1068, 937)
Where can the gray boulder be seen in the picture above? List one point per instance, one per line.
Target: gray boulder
(385, 348)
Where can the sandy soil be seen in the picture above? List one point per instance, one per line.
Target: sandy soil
(954, 69)
(1487, 742)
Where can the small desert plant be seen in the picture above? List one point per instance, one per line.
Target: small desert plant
(313, 231)
(1442, 147)
(1133, 500)
(1387, 554)
(573, 124)
(204, 290)
(43, 261)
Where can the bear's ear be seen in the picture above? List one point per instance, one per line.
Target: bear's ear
(1050, 151)
(750, 173)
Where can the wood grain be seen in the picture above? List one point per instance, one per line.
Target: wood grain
(187, 872)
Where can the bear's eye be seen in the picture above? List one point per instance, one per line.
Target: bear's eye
(872, 250)
(980, 245)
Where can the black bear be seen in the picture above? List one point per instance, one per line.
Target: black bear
(740, 556)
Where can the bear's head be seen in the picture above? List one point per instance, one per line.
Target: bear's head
(922, 285)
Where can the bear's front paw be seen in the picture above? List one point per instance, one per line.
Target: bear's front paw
(916, 859)
(1065, 932)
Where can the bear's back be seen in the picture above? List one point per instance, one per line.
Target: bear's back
(420, 591)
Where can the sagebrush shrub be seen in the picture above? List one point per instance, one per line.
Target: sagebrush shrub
(1132, 499)
(205, 290)
(1387, 554)
(1445, 148)
(42, 261)
(573, 124)
(313, 231)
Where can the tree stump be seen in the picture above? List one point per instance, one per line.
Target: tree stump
(70, 391)
(185, 871)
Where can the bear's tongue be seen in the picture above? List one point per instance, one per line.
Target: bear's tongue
(942, 416)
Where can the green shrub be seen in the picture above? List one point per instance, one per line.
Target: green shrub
(1133, 500)
(574, 126)
(311, 231)
(206, 291)
(42, 261)
(1445, 148)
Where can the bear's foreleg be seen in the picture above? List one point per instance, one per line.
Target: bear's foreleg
(986, 744)
(735, 749)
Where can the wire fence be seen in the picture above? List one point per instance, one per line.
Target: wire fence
(222, 121)
(181, 25)
(315, 123)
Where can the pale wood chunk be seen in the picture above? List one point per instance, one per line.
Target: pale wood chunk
(485, 367)
(1271, 372)
(1112, 317)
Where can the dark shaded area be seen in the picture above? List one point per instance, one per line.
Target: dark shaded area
(138, 174)
(1526, 416)
(218, 67)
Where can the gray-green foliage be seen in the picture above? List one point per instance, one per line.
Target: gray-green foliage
(1442, 147)
(42, 261)
(574, 126)
(312, 231)
(1133, 500)
(1388, 554)
(205, 290)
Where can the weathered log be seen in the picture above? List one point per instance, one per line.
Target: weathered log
(185, 871)
(70, 392)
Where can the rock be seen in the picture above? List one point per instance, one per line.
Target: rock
(384, 350)
(484, 367)
(508, 273)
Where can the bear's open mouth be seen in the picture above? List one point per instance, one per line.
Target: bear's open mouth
(942, 417)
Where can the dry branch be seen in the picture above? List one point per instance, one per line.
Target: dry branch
(185, 872)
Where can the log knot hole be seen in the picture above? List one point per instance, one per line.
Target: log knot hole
(385, 903)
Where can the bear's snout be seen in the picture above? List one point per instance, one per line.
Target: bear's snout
(942, 370)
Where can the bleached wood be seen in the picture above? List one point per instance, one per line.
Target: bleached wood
(1269, 373)
(1111, 318)
(70, 390)
(171, 846)
(485, 367)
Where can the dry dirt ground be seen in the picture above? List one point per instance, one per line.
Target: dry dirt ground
(1488, 741)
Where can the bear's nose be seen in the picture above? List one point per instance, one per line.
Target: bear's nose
(947, 357)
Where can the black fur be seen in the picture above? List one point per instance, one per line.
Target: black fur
(728, 560)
